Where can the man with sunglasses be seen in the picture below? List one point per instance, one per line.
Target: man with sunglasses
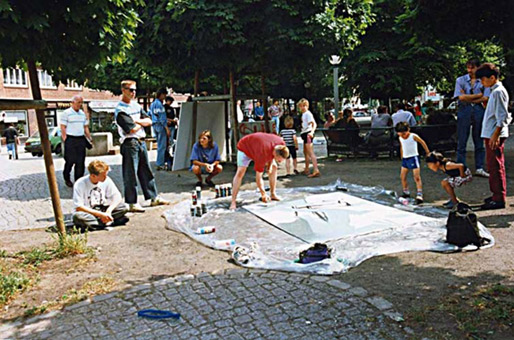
(131, 120)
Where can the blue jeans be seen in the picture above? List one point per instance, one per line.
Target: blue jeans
(470, 116)
(135, 162)
(12, 147)
(161, 136)
(277, 122)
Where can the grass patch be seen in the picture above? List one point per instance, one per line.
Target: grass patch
(11, 283)
(65, 246)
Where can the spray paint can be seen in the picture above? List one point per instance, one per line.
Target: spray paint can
(218, 193)
(223, 191)
(198, 211)
(229, 189)
(404, 201)
(199, 192)
(192, 208)
(194, 198)
(204, 207)
(224, 243)
(206, 230)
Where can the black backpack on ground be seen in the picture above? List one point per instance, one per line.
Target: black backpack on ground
(462, 227)
(317, 252)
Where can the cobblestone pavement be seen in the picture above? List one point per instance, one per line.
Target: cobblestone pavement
(235, 304)
(25, 199)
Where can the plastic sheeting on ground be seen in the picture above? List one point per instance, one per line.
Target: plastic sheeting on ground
(357, 222)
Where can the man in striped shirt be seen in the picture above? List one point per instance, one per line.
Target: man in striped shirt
(74, 131)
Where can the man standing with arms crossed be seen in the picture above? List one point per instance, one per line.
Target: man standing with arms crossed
(472, 95)
(131, 120)
(74, 131)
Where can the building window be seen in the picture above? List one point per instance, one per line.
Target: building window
(15, 77)
(72, 85)
(45, 80)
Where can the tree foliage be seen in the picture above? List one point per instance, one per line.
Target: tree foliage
(66, 37)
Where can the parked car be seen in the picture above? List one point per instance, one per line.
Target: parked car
(33, 144)
(362, 117)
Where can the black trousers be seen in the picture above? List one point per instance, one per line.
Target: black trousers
(74, 155)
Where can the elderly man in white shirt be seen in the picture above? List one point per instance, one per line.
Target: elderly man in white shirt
(403, 116)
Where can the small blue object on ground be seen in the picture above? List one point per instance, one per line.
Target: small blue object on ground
(157, 314)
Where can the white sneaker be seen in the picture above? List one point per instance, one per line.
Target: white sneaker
(481, 173)
(136, 207)
(159, 201)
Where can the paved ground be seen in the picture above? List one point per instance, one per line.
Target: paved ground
(25, 199)
(236, 304)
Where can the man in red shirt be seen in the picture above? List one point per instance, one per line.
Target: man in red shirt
(263, 149)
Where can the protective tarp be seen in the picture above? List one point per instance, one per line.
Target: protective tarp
(356, 222)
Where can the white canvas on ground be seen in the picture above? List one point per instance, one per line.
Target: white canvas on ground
(210, 116)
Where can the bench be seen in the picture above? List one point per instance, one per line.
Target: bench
(367, 141)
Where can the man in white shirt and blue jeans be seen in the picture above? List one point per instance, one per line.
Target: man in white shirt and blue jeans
(495, 130)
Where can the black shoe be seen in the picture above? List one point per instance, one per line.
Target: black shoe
(210, 183)
(68, 183)
(491, 205)
(199, 184)
(121, 221)
(405, 195)
(10, 156)
(488, 199)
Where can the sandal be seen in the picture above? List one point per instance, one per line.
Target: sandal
(315, 174)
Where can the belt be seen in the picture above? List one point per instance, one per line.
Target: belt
(72, 136)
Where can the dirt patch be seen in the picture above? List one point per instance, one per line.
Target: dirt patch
(415, 282)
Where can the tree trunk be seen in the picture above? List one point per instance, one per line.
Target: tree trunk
(233, 116)
(47, 151)
(265, 104)
(197, 82)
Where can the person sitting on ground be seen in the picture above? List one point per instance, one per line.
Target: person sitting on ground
(289, 136)
(98, 202)
(410, 159)
(264, 149)
(403, 116)
(458, 174)
(205, 158)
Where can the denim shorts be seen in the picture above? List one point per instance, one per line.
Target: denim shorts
(411, 162)
(243, 159)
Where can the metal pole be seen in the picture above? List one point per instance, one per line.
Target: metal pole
(336, 92)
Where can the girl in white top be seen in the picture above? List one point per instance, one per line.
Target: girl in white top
(410, 159)
(307, 134)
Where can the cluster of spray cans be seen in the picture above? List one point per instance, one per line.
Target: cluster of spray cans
(223, 190)
(198, 206)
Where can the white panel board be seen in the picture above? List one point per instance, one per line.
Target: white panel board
(211, 116)
(322, 217)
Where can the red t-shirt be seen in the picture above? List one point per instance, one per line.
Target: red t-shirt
(259, 147)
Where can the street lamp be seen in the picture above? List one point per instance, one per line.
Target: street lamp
(335, 60)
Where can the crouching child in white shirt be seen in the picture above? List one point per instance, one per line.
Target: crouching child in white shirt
(98, 202)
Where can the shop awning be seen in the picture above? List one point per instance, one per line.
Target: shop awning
(103, 105)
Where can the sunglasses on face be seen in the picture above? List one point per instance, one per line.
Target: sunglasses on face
(130, 89)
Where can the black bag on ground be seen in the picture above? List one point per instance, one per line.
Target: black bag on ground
(462, 227)
(317, 252)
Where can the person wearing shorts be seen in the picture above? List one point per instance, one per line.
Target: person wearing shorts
(308, 129)
(262, 149)
(289, 136)
(410, 159)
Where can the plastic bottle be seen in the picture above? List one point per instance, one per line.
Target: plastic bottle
(224, 243)
(206, 230)
(193, 210)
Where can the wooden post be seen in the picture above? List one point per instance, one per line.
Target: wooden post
(233, 116)
(47, 151)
